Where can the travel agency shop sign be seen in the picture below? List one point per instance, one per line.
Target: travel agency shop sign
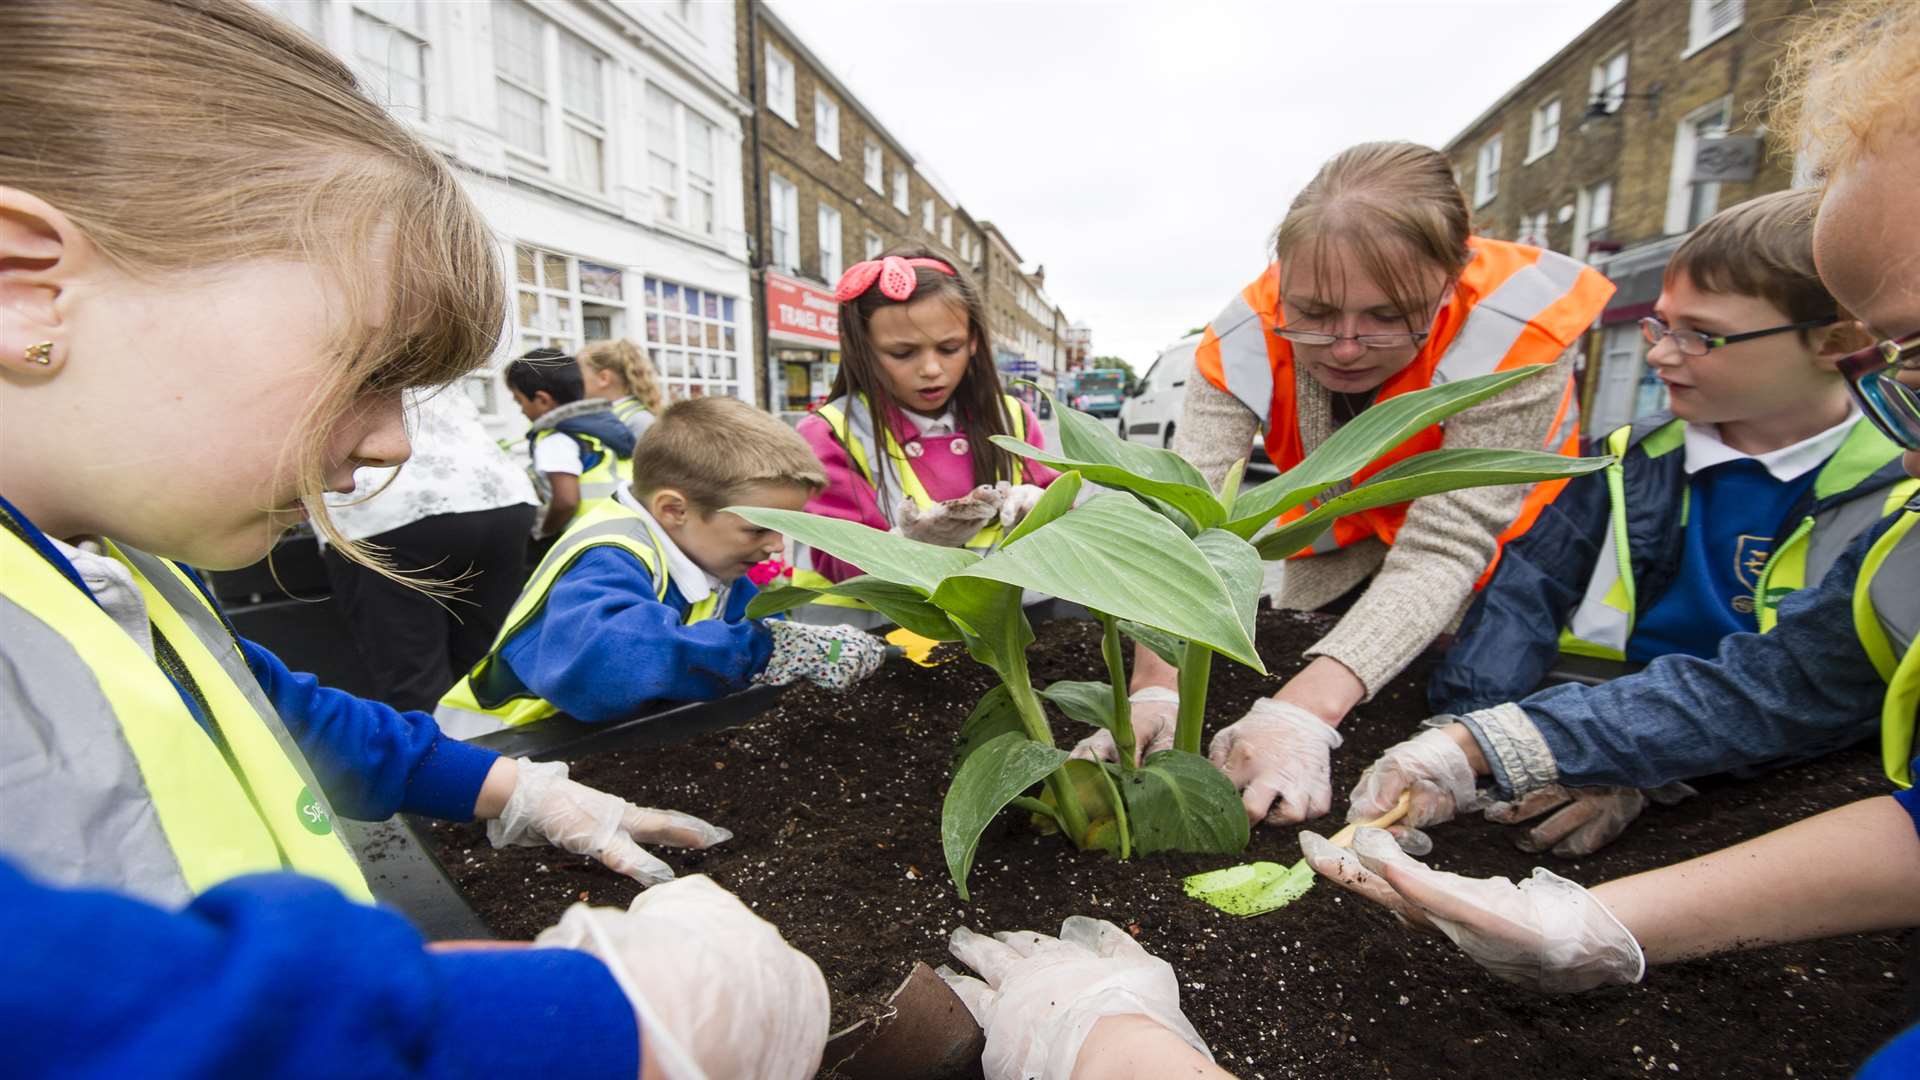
(800, 314)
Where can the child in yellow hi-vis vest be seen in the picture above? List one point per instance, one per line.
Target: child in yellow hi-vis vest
(643, 599)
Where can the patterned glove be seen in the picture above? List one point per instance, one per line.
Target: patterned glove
(834, 657)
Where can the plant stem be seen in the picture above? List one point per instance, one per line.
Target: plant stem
(1196, 663)
(1073, 817)
(1117, 678)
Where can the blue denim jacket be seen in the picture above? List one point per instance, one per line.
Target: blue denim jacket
(1805, 688)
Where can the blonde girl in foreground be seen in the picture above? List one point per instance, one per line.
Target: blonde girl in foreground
(220, 268)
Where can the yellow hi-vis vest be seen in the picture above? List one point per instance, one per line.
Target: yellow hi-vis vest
(1886, 616)
(489, 698)
(852, 428)
(1604, 620)
(608, 474)
(110, 782)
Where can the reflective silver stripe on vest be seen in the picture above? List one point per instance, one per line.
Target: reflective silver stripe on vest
(76, 807)
(1495, 324)
(600, 489)
(192, 609)
(632, 528)
(1569, 422)
(1243, 356)
(1836, 528)
(1895, 589)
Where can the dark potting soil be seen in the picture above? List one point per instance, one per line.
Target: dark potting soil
(834, 801)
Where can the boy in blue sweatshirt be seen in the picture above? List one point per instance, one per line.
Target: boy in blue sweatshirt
(581, 451)
(1747, 490)
(643, 599)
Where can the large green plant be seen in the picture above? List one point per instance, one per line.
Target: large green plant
(1161, 558)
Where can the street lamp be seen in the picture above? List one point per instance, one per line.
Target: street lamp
(1598, 108)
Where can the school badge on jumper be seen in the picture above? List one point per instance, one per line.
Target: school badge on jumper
(1750, 555)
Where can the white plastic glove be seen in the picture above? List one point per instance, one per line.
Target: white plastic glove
(1156, 715)
(834, 657)
(1436, 770)
(1017, 501)
(1037, 996)
(548, 808)
(1278, 749)
(954, 522)
(1546, 933)
(1589, 818)
(718, 993)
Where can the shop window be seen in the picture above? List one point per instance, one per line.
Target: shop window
(694, 338)
(563, 302)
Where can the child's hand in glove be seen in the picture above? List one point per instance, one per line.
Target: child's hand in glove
(952, 523)
(834, 657)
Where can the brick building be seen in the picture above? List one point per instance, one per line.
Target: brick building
(1606, 152)
(827, 187)
(1026, 326)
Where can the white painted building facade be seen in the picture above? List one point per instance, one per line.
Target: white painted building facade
(602, 139)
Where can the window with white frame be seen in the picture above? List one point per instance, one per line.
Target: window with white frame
(563, 302)
(694, 338)
(1545, 133)
(1607, 82)
(783, 209)
(390, 54)
(829, 244)
(875, 167)
(550, 90)
(1533, 229)
(780, 86)
(1486, 177)
(1710, 20)
(1688, 203)
(1592, 216)
(681, 150)
(900, 198)
(304, 14)
(926, 216)
(826, 123)
(688, 12)
(946, 230)
(875, 245)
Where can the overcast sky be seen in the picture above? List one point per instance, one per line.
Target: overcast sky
(1144, 150)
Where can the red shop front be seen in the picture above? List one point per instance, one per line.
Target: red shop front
(803, 344)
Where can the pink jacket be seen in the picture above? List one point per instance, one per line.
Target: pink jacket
(945, 473)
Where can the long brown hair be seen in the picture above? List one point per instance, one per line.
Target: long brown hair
(182, 135)
(979, 405)
(1395, 206)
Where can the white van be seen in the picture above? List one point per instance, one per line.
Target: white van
(1149, 416)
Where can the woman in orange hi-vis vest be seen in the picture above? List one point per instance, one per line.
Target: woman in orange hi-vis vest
(1377, 289)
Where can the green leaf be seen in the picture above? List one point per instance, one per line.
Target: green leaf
(1238, 565)
(1361, 440)
(779, 600)
(881, 554)
(1100, 799)
(1178, 801)
(989, 617)
(1191, 497)
(1427, 474)
(1230, 485)
(1002, 768)
(1087, 702)
(1115, 556)
(1166, 646)
(904, 604)
(994, 716)
(1057, 500)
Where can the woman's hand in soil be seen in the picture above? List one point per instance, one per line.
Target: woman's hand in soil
(548, 808)
(1277, 755)
(1038, 997)
(951, 523)
(1546, 933)
(833, 657)
(1156, 716)
(1433, 766)
(1587, 818)
(713, 985)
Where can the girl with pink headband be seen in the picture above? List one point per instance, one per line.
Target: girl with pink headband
(905, 436)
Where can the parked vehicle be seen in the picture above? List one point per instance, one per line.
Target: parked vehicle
(1152, 411)
(1099, 392)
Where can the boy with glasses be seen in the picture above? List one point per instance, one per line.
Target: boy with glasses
(1748, 489)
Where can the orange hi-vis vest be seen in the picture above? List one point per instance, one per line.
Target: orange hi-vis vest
(1514, 305)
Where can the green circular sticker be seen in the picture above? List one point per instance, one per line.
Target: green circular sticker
(312, 814)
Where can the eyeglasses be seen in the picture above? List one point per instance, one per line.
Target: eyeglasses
(1368, 341)
(1695, 343)
(1890, 404)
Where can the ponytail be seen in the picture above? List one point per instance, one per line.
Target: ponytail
(629, 362)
